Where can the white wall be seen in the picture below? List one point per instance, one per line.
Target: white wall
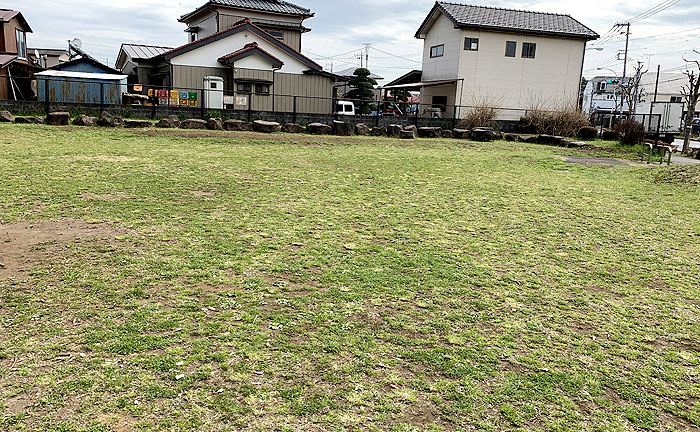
(208, 55)
(253, 62)
(446, 67)
(550, 80)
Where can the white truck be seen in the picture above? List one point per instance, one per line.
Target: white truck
(668, 115)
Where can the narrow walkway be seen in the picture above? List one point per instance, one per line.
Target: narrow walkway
(682, 160)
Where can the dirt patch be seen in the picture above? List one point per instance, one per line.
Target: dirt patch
(25, 244)
(106, 158)
(201, 194)
(684, 175)
(103, 197)
(583, 160)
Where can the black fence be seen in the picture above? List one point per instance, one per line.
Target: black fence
(651, 122)
(252, 102)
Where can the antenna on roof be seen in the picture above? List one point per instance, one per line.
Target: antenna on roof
(76, 43)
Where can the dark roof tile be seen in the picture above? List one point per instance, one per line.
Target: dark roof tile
(468, 16)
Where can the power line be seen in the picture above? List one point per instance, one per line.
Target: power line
(394, 55)
(655, 10)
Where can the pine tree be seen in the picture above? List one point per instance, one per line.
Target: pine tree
(363, 89)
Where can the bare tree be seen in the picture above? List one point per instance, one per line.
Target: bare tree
(630, 89)
(691, 95)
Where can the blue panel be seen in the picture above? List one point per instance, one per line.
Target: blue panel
(83, 67)
(81, 91)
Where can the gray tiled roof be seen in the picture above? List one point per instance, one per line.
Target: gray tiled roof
(143, 52)
(468, 16)
(266, 5)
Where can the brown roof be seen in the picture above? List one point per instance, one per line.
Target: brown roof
(249, 49)
(8, 14)
(240, 26)
(6, 59)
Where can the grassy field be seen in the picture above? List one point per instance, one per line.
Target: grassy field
(220, 282)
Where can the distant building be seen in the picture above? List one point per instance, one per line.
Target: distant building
(603, 94)
(253, 49)
(48, 58)
(511, 59)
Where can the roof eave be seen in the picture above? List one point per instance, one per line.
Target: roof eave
(528, 31)
(210, 4)
(236, 29)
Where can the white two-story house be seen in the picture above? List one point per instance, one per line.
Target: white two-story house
(514, 60)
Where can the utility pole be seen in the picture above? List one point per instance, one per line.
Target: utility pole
(627, 47)
(367, 55)
(656, 93)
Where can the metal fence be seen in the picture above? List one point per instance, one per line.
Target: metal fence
(255, 102)
(651, 122)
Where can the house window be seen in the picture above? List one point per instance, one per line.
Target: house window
(21, 44)
(243, 87)
(263, 89)
(440, 102)
(529, 50)
(471, 44)
(437, 51)
(277, 35)
(511, 47)
(193, 37)
(676, 99)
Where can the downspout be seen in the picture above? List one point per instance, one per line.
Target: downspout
(580, 79)
(274, 90)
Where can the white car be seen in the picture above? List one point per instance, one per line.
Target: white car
(345, 108)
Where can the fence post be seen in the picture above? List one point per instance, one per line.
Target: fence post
(454, 117)
(250, 106)
(47, 96)
(102, 97)
(294, 110)
(376, 120)
(416, 116)
(203, 108)
(153, 104)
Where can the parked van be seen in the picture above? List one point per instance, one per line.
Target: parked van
(344, 108)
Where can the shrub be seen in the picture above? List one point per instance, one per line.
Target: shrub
(482, 115)
(587, 133)
(610, 135)
(631, 132)
(563, 121)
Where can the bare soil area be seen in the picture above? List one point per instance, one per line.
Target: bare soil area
(25, 244)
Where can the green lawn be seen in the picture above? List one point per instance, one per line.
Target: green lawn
(297, 283)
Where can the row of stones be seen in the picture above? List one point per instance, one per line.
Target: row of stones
(337, 128)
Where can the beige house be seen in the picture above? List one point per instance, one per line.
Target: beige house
(514, 60)
(253, 46)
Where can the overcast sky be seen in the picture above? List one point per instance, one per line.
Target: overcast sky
(340, 28)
